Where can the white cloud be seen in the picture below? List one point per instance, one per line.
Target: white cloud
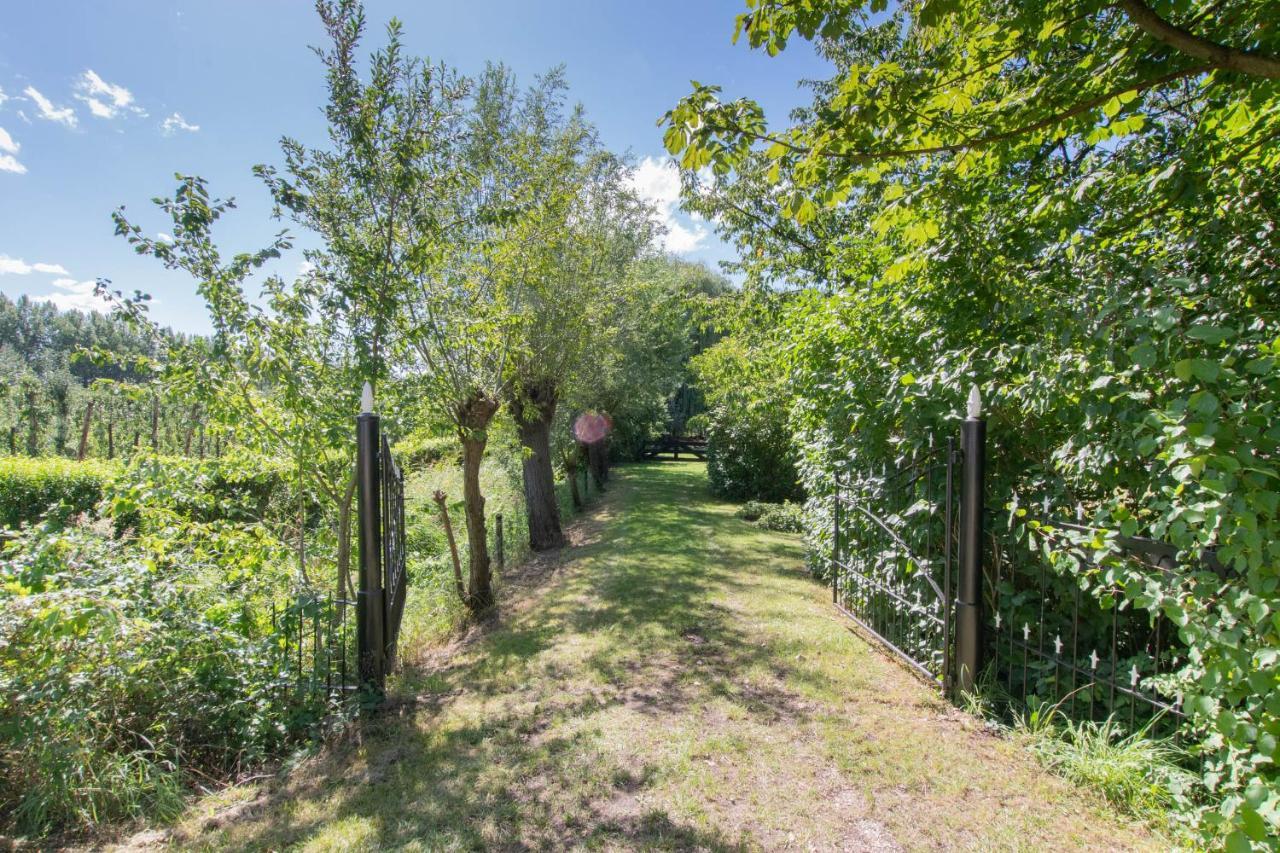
(164, 238)
(657, 181)
(8, 148)
(176, 122)
(17, 266)
(77, 295)
(105, 100)
(49, 111)
(3, 96)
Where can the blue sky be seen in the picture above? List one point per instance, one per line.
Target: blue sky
(103, 102)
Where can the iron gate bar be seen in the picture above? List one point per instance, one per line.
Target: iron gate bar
(907, 658)
(920, 561)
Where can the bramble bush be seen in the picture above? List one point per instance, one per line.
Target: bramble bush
(138, 651)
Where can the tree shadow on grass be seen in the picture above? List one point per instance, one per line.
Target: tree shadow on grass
(506, 749)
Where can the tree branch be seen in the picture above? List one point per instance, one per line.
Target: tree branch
(1185, 41)
(976, 141)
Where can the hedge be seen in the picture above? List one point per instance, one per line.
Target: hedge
(29, 488)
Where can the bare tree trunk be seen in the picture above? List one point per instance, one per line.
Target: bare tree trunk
(155, 423)
(597, 462)
(191, 427)
(111, 435)
(84, 431)
(33, 424)
(442, 502)
(473, 419)
(570, 461)
(533, 411)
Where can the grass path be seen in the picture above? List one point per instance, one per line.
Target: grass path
(672, 680)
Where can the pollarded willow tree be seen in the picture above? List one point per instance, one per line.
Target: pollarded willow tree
(569, 299)
(1074, 204)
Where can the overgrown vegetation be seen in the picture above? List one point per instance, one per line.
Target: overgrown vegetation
(1074, 207)
(483, 262)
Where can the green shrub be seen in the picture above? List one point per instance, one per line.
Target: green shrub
(785, 517)
(750, 456)
(418, 451)
(30, 488)
(238, 488)
(751, 510)
(697, 425)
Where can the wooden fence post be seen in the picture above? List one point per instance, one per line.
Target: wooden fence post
(498, 543)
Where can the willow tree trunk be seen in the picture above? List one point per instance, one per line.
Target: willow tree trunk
(597, 461)
(473, 419)
(571, 474)
(533, 411)
(83, 447)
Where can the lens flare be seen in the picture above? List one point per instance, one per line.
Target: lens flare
(591, 427)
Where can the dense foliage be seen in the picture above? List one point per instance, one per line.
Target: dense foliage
(130, 663)
(1072, 205)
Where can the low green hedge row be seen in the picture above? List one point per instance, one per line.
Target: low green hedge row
(29, 488)
(417, 451)
(230, 489)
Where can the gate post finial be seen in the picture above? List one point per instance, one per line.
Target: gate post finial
(366, 399)
(975, 403)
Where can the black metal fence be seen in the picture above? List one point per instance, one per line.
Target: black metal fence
(313, 649)
(1074, 646)
(1012, 610)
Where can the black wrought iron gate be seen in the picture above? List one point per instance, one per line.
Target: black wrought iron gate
(383, 574)
(906, 562)
(893, 557)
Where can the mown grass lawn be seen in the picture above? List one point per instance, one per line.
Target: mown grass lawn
(672, 680)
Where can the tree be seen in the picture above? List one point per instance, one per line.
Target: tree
(280, 373)
(433, 200)
(600, 228)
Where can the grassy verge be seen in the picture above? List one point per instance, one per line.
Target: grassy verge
(675, 680)
(433, 612)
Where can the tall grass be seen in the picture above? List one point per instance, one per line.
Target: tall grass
(1140, 774)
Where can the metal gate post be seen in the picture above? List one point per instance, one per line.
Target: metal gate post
(370, 629)
(973, 439)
